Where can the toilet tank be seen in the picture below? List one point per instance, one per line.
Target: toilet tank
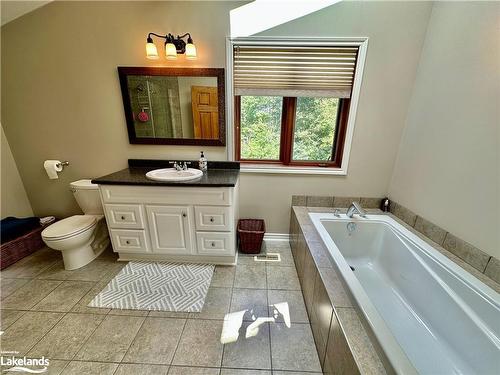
(87, 196)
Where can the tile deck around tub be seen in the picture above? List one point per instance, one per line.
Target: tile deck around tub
(347, 330)
(44, 312)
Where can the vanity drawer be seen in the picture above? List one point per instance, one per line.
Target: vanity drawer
(129, 241)
(213, 218)
(125, 216)
(213, 243)
(126, 194)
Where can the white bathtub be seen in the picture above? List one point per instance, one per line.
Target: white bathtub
(428, 314)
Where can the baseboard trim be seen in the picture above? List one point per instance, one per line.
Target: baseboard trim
(276, 236)
(222, 260)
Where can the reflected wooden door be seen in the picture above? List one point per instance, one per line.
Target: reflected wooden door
(205, 105)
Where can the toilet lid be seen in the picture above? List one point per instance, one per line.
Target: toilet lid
(70, 226)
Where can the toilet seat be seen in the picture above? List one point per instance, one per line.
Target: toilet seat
(69, 227)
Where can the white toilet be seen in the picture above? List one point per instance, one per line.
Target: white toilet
(80, 238)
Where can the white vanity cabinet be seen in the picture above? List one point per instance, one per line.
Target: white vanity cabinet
(187, 224)
(170, 229)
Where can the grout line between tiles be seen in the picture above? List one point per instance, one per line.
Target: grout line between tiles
(224, 345)
(37, 302)
(190, 366)
(486, 265)
(444, 241)
(116, 369)
(268, 324)
(91, 333)
(233, 276)
(45, 334)
(2, 296)
(88, 338)
(136, 333)
(178, 342)
(64, 367)
(135, 337)
(15, 320)
(230, 307)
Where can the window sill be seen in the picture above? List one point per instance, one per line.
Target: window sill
(274, 169)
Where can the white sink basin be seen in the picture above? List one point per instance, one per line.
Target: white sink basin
(171, 174)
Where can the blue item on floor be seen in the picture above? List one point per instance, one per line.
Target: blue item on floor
(13, 227)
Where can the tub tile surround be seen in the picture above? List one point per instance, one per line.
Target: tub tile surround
(453, 246)
(314, 201)
(430, 230)
(457, 260)
(341, 341)
(466, 252)
(349, 345)
(493, 269)
(404, 214)
(83, 340)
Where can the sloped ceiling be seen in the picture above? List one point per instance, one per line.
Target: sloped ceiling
(261, 15)
(10, 10)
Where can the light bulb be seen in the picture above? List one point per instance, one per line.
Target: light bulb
(170, 51)
(190, 51)
(151, 51)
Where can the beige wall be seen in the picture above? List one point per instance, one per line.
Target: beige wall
(14, 200)
(396, 31)
(448, 165)
(64, 102)
(60, 91)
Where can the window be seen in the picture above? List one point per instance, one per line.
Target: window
(260, 127)
(303, 131)
(291, 103)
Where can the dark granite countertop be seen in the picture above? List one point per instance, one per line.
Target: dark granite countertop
(219, 174)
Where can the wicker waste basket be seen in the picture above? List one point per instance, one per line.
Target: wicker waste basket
(251, 233)
(18, 248)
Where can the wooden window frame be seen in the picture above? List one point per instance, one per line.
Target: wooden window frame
(287, 133)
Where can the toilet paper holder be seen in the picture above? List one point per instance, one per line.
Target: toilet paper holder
(63, 164)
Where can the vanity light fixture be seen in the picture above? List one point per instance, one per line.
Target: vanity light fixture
(173, 46)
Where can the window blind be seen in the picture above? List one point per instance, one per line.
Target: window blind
(294, 70)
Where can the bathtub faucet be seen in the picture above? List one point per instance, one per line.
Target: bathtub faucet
(355, 208)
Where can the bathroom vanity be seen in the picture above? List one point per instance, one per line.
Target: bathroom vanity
(189, 221)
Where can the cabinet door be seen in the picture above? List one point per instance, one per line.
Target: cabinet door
(215, 243)
(129, 241)
(124, 216)
(170, 229)
(213, 218)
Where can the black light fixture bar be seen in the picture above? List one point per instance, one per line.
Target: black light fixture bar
(181, 47)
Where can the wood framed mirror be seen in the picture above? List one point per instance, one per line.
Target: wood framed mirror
(174, 106)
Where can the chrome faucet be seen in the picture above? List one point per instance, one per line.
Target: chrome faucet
(355, 208)
(180, 166)
(176, 165)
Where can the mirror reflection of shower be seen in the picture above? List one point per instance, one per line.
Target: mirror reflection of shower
(233, 322)
(156, 106)
(173, 107)
(144, 101)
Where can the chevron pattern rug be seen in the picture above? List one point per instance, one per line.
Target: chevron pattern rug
(157, 286)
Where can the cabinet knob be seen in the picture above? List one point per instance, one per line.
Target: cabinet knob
(211, 219)
(213, 244)
(123, 217)
(127, 242)
(184, 214)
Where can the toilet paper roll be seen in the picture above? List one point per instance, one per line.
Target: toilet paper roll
(52, 167)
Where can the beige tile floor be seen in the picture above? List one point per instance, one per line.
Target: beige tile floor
(44, 313)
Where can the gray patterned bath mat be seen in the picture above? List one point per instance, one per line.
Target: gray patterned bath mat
(157, 286)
